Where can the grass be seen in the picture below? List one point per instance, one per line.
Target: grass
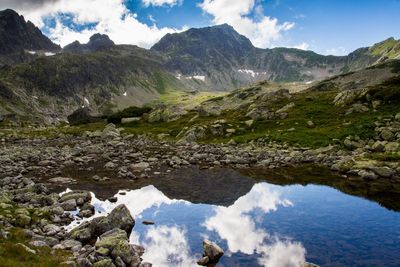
(12, 254)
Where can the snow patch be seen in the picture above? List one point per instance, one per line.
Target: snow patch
(49, 54)
(86, 101)
(32, 52)
(252, 73)
(125, 94)
(178, 76)
(35, 97)
(198, 77)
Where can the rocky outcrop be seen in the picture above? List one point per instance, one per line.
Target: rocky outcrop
(83, 116)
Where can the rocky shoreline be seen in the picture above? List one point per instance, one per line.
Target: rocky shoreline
(30, 166)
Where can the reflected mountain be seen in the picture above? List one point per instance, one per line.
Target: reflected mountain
(383, 191)
(217, 187)
(223, 186)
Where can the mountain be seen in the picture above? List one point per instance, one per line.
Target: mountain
(219, 58)
(96, 43)
(21, 40)
(106, 80)
(37, 84)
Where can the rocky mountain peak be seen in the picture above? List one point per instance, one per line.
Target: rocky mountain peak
(17, 35)
(96, 42)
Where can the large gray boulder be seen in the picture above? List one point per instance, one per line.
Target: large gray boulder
(120, 218)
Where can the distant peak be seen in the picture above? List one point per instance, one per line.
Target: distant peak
(99, 36)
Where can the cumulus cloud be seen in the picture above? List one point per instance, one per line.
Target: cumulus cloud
(161, 2)
(110, 17)
(261, 30)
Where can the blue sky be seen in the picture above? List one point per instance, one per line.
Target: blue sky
(325, 26)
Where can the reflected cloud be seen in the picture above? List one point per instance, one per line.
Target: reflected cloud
(238, 224)
(136, 200)
(235, 225)
(167, 246)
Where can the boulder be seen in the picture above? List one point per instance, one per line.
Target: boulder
(138, 167)
(110, 131)
(82, 116)
(116, 242)
(211, 254)
(120, 218)
(387, 135)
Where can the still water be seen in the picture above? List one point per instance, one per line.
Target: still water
(259, 223)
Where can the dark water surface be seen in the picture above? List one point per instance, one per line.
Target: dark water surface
(260, 218)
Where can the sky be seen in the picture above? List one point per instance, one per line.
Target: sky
(335, 27)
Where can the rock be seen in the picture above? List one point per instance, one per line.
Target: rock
(138, 167)
(203, 261)
(61, 180)
(286, 108)
(392, 147)
(110, 165)
(249, 123)
(378, 146)
(344, 97)
(192, 135)
(387, 135)
(104, 263)
(351, 144)
(68, 264)
(148, 222)
(308, 264)
(76, 194)
(211, 251)
(357, 108)
(367, 175)
(22, 220)
(120, 218)
(376, 104)
(231, 131)
(110, 132)
(116, 241)
(69, 205)
(310, 124)
(383, 171)
(82, 116)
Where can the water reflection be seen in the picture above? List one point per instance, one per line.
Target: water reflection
(176, 238)
(237, 224)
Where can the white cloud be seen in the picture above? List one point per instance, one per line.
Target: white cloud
(262, 30)
(110, 17)
(161, 2)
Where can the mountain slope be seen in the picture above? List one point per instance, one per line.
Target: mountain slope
(18, 38)
(219, 58)
(105, 81)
